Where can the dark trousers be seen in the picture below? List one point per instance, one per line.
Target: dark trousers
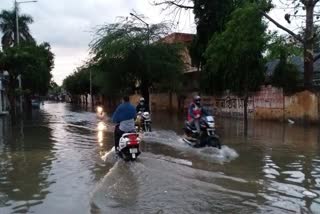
(196, 124)
(117, 135)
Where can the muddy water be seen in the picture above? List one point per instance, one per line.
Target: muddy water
(60, 160)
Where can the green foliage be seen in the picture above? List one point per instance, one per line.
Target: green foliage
(286, 75)
(33, 62)
(234, 57)
(211, 17)
(54, 88)
(124, 60)
(36, 76)
(78, 83)
(280, 44)
(8, 28)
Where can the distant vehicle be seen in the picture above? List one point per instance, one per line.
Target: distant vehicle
(100, 113)
(35, 102)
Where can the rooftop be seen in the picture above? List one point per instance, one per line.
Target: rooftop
(178, 37)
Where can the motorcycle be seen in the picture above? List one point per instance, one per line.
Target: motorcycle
(144, 122)
(100, 113)
(207, 135)
(129, 148)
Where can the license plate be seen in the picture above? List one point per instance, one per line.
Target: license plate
(134, 150)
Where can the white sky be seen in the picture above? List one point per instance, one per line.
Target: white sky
(68, 25)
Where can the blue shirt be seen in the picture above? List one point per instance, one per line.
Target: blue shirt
(124, 112)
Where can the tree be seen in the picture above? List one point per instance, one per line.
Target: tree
(78, 83)
(37, 75)
(308, 37)
(13, 60)
(34, 63)
(280, 44)
(54, 88)
(127, 61)
(236, 53)
(286, 75)
(307, 10)
(210, 18)
(8, 28)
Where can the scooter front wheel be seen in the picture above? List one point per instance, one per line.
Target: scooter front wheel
(214, 142)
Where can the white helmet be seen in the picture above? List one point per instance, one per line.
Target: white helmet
(197, 100)
(141, 99)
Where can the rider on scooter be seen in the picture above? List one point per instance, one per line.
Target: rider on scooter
(142, 106)
(196, 112)
(124, 117)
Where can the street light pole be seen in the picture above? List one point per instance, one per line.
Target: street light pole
(17, 22)
(148, 27)
(16, 3)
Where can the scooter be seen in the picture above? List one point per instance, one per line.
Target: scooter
(100, 113)
(145, 122)
(207, 135)
(129, 146)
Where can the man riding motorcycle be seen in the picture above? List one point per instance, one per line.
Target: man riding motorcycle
(196, 112)
(124, 117)
(141, 107)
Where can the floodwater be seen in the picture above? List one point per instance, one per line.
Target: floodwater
(60, 160)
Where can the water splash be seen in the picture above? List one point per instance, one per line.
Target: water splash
(110, 156)
(170, 138)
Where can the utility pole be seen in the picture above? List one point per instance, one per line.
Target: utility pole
(16, 4)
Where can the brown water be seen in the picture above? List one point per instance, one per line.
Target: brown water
(61, 161)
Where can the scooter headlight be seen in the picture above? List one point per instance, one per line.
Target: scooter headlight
(99, 109)
(211, 125)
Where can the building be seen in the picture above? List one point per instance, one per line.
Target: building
(191, 73)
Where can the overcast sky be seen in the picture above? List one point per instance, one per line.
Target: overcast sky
(68, 25)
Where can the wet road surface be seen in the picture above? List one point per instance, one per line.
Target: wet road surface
(61, 161)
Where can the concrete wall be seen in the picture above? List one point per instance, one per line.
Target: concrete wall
(159, 102)
(268, 104)
(302, 106)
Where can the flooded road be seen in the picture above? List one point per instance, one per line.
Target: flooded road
(61, 161)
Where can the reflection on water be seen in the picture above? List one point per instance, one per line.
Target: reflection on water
(61, 161)
(24, 170)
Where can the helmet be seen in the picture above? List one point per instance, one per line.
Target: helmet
(197, 99)
(141, 99)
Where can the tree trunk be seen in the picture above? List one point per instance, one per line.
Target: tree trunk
(145, 93)
(245, 114)
(12, 110)
(92, 101)
(308, 46)
(170, 102)
(28, 104)
(86, 101)
(12, 98)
